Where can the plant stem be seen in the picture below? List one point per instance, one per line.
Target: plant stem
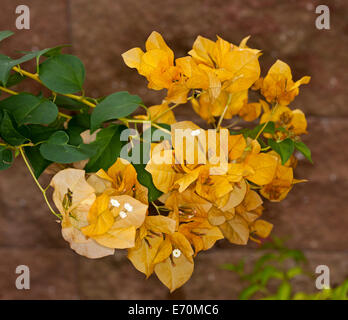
(156, 207)
(80, 99)
(14, 93)
(37, 182)
(224, 112)
(232, 124)
(8, 90)
(160, 128)
(164, 112)
(37, 79)
(266, 123)
(65, 115)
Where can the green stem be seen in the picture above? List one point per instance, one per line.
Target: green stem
(232, 124)
(37, 79)
(14, 93)
(224, 112)
(37, 182)
(266, 123)
(160, 128)
(164, 112)
(156, 207)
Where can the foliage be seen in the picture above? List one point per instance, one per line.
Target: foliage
(111, 187)
(274, 273)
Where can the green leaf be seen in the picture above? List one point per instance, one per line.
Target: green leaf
(27, 108)
(263, 259)
(263, 275)
(58, 150)
(8, 132)
(108, 147)
(284, 291)
(5, 34)
(63, 73)
(270, 128)
(69, 104)
(37, 133)
(48, 52)
(296, 255)
(76, 126)
(248, 292)
(37, 161)
(6, 158)
(238, 268)
(152, 130)
(145, 177)
(116, 105)
(300, 146)
(6, 64)
(14, 79)
(284, 148)
(293, 272)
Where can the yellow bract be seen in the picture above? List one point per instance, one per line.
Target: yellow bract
(120, 179)
(281, 183)
(100, 213)
(292, 120)
(114, 227)
(278, 85)
(162, 114)
(73, 197)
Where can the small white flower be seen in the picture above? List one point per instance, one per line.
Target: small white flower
(123, 214)
(176, 253)
(195, 132)
(114, 203)
(128, 207)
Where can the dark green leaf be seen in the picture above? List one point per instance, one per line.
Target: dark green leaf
(6, 64)
(63, 73)
(14, 79)
(117, 105)
(48, 52)
(69, 104)
(8, 132)
(27, 108)
(284, 148)
(6, 158)
(108, 147)
(76, 126)
(37, 161)
(270, 128)
(58, 150)
(5, 34)
(37, 133)
(144, 177)
(300, 146)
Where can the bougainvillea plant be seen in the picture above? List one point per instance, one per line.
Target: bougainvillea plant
(167, 190)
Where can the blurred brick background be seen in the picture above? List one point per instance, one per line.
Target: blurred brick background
(315, 214)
